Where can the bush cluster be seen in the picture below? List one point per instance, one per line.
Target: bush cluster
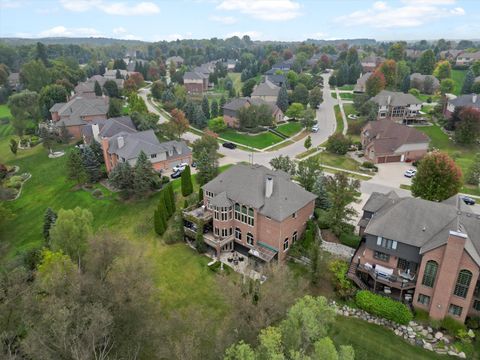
(350, 239)
(343, 285)
(451, 325)
(383, 307)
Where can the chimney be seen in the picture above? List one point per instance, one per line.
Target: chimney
(474, 98)
(120, 142)
(95, 132)
(268, 186)
(389, 100)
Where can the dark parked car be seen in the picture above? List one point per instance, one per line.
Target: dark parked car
(194, 164)
(229, 145)
(176, 175)
(468, 200)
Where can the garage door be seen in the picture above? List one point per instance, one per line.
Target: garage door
(393, 158)
(173, 163)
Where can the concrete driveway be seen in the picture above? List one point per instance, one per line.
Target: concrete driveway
(391, 174)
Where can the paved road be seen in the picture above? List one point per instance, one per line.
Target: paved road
(143, 92)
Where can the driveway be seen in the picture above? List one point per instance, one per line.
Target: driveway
(391, 174)
(143, 92)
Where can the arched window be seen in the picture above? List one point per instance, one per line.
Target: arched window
(463, 283)
(430, 273)
(238, 234)
(249, 239)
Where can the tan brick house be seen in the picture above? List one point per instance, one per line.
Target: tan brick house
(231, 109)
(385, 141)
(253, 209)
(397, 106)
(421, 252)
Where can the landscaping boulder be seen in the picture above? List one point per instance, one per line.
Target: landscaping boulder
(428, 346)
(438, 335)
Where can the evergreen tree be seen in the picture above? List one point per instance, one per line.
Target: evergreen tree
(13, 146)
(221, 105)
(468, 82)
(75, 168)
(214, 108)
(322, 201)
(189, 110)
(426, 62)
(98, 89)
(97, 150)
(232, 93)
(406, 83)
(164, 202)
(308, 142)
(118, 74)
(159, 221)
(142, 175)
(200, 194)
(49, 219)
(187, 186)
(200, 120)
(206, 107)
(91, 165)
(282, 99)
(171, 195)
(121, 177)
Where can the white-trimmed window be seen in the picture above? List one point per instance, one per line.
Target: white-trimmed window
(424, 299)
(285, 244)
(294, 236)
(386, 243)
(244, 214)
(238, 234)
(455, 310)
(250, 240)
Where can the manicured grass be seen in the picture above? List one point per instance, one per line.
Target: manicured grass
(458, 76)
(425, 97)
(334, 94)
(372, 341)
(237, 83)
(346, 87)
(349, 109)
(338, 117)
(5, 111)
(346, 96)
(339, 161)
(259, 141)
(5, 129)
(290, 128)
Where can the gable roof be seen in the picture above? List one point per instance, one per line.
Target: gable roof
(245, 184)
(276, 79)
(469, 100)
(394, 98)
(238, 103)
(422, 78)
(426, 224)
(72, 112)
(473, 56)
(266, 88)
(387, 136)
(194, 75)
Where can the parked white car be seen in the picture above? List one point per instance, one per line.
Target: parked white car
(180, 167)
(315, 128)
(410, 173)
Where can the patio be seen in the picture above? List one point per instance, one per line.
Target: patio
(240, 264)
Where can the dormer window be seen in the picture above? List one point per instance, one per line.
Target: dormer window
(153, 156)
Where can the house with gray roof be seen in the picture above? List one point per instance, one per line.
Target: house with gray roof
(14, 81)
(361, 85)
(87, 88)
(397, 106)
(421, 252)
(112, 74)
(463, 101)
(99, 129)
(196, 81)
(266, 90)
(467, 59)
(259, 212)
(78, 112)
(277, 79)
(427, 84)
(177, 60)
(126, 146)
(232, 108)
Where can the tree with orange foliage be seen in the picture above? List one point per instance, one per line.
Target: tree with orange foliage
(179, 123)
(389, 71)
(375, 83)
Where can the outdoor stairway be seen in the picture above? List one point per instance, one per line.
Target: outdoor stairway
(353, 276)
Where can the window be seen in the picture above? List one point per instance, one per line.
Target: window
(463, 283)
(407, 265)
(216, 231)
(455, 310)
(294, 215)
(238, 234)
(153, 156)
(386, 243)
(250, 239)
(244, 214)
(398, 111)
(209, 194)
(381, 256)
(424, 299)
(430, 273)
(476, 305)
(285, 245)
(294, 237)
(476, 293)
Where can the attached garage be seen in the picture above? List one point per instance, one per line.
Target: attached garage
(388, 159)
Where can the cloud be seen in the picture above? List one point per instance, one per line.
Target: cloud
(122, 33)
(11, 4)
(269, 10)
(227, 20)
(112, 8)
(254, 35)
(411, 14)
(119, 30)
(62, 31)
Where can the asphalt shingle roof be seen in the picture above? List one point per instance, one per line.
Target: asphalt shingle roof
(467, 101)
(246, 184)
(393, 98)
(266, 88)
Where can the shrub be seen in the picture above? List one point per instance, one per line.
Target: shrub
(97, 193)
(350, 239)
(383, 307)
(368, 165)
(343, 286)
(14, 182)
(451, 325)
(338, 144)
(422, 315)
(473, 322)
(165, 180)
(323, 219)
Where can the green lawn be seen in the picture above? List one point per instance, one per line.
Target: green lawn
(349, 109)
(346, 87)
(5, 111)
(259, 141)
(347, 96)
(5, 129)
(334, 94)
(338, 117)
(458, 76)
(372, 341)
(339, 161)
(237, 83)
(290, 128)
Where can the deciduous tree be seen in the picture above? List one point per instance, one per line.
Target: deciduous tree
(179, 123)
(308, 142)
(295, 111)
(284, 163)
(316, 97)
(300, 94)
(375, 83)
(307, 172)
(426, 62)
(443, 70)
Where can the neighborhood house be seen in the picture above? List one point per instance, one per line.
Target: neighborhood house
(267, 91)
(464, 101)
(397, 106)
(231, 109)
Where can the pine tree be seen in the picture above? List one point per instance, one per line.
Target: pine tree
(206, 107)
(92, 165)
(159, 222)
(121, 177)
(214, 109)
(406, 83)
(171, 196)
(221, 105)
(468, 82)
(97, 88)
(97, 150)
(186, 179)
(164, 202)
(143, 175)
(322, 201)
(282, 99)
(75, 168)
(200, 194)
(200, 120)
(49, 219)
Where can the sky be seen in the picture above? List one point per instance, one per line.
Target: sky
(287, 20)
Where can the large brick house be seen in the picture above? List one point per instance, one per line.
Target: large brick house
(254, 210)
(195, 82)
(424, 83)
(86, 89)
(463, 101)
(100, 129)
(397, 106)
(370, 63)
(267, 91)
(78, 112)
(467, 59)
(421, 252)
(385, 141)
(125, 146)
(231, 109)
(361, 85)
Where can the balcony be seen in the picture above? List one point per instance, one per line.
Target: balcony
(198, 214)
(208, 236)
(402, 281)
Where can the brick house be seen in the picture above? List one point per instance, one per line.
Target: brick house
(254, 210)
(100, 129)
(267, 91)
(385, 141)
(464, 101)
(230, 110)
(78, 112)
(397, 106)
(420, 82)
(177, 60)
(370, 63)
(361, 85)
(125, 146)
(195, 82)
(86, 89)
(421, 252)
(467, 59)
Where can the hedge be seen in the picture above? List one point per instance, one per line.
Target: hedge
(350, 239)
(383, 307)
